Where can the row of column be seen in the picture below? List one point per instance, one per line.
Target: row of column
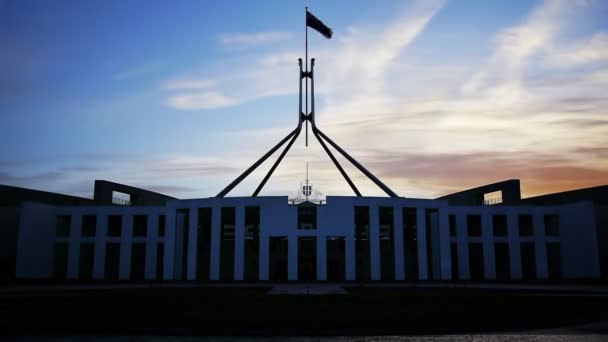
(513, 240)
(101, 240)
(171, 266)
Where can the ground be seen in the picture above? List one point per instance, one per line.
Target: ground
(251, 310)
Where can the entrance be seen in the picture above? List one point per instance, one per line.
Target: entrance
(278, 258)
(335, 259)
(307, 258)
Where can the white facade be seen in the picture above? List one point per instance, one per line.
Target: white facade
(439, 228)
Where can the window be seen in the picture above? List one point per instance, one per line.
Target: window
(525, 225)
(386, 223)
(307, 216)
(140, 225)
(499, 224)
(114, 225)
(492, 198)
(361, 223)
(551, 225)
(89, 225)
(62, 225)
(452, 221)
(161, 225)
(474, 225)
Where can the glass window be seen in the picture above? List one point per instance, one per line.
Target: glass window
(525, 225)
(452, 221)
(551, 225)
(114, 225)
(161, 225)
(140, 225)
(499, 224)
(89, 225)
(62, 225)
(474, 225)
(307, 216)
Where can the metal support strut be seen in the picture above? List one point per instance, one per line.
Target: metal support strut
(321, 137)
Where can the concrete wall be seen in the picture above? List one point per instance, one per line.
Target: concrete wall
(277, 218)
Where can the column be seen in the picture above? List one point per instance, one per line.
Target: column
(263, 263)
(514, 247)
(151, 240)
(124, 269)
(239, 243)
(374, 242)
(398, 242)
(444, 245)
(292, 257)
(487, 234)
(321, 257)
(464, 272)
(421, 237)
(169, 245)
(101, 231)
(74, 246)
(216, 221)
(349, 257)
(192, 244)
(542, 269)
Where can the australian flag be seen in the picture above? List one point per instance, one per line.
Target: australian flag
(312, 21)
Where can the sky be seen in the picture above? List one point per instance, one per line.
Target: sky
(180, 97)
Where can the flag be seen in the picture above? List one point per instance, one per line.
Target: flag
(312, 21)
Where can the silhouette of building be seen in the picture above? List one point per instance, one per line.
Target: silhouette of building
(487, 233)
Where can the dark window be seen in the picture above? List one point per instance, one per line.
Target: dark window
(161, 225)
(386, 223)
(452, 221)
(114, 225)
(525, 225)
(62, 227)
(140, 225)
(89, 225)
(474, 225)
(551, 225)
(499, 224)
(307, 216)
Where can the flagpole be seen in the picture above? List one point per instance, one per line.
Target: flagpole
(306, 64)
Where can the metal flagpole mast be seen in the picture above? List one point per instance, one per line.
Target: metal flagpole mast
(306, 181)
(306, 66)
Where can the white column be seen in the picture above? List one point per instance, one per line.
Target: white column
(239, 243)
(101, 231)
(444, 244)
(514, 247)
(263, 263)
(169, 245)
(292, 257)
(349, 257)
(542, 269)
(398, 242)
(321, 257)
(489, 260)
(464, 273)
(216, 233)
(151, 241)
(74, 247)
(192, 244)
(421, 237)
(124, 270)
(374, 242)
(179, 246)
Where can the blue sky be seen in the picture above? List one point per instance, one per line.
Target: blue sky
(181, 96)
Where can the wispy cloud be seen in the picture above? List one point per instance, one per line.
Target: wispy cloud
(240, 40)
(139, 70)
(185, 84)
(204, 100)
